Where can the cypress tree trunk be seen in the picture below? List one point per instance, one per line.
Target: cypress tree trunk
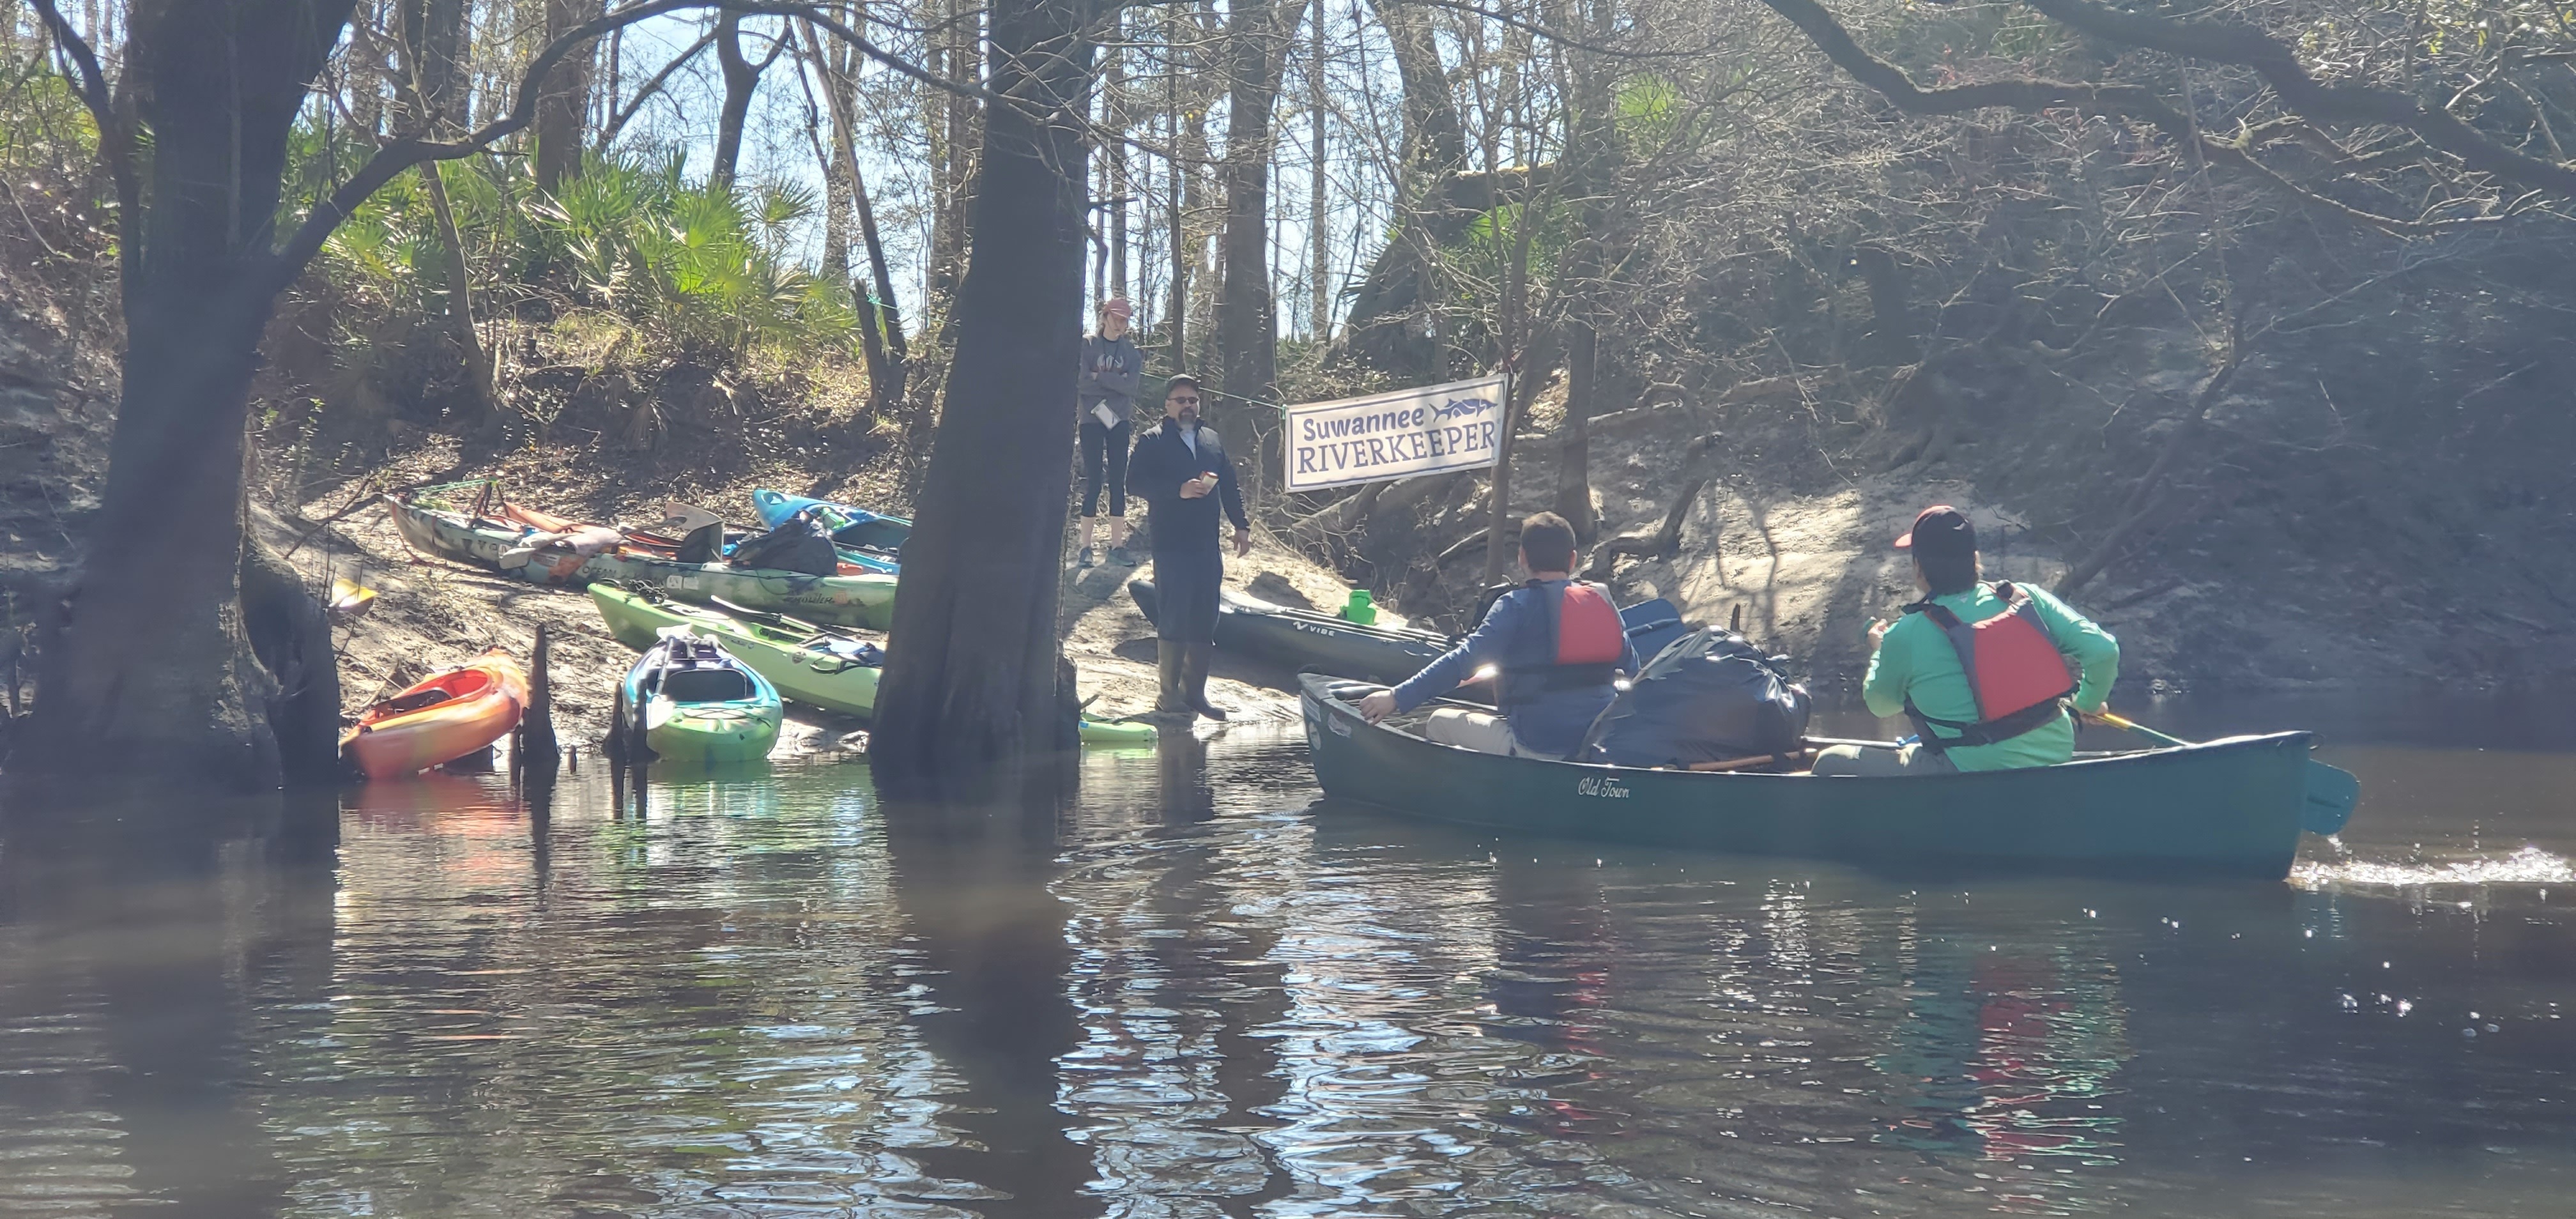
(565, 103)
(971, 687)
(741, 80)
(434, 43)
(1319, 220)
(1247, 329)
(1392, 295)
(888, 357)
(1177, 244)
(1590, 170)
(953, 158)
(1114, 110)
(150, 666)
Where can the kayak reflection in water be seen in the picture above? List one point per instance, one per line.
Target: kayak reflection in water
(1558, 644)
(1987, 671)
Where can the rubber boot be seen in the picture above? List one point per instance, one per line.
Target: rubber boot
(1194, 679)
(1169, 662)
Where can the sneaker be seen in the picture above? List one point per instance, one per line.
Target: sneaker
(1119, 556)
(1083, 559)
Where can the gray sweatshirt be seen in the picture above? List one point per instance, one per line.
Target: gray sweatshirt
(1111, 369)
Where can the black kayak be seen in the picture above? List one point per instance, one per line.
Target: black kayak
(1309, 642)
(1304, 640)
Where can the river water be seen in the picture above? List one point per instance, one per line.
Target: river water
(1197, 990)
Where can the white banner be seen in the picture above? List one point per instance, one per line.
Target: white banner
(1395, 435)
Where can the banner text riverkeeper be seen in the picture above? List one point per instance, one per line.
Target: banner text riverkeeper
(1433, 430)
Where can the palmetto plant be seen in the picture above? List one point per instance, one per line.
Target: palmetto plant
(700, 265)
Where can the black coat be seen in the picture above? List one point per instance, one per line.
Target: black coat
(1184, 527)
(1189, 559)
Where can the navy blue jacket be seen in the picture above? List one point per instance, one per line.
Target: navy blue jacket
(1183, 528)
(1514, 635)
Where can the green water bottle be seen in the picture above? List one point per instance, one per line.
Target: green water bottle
(1359, 609)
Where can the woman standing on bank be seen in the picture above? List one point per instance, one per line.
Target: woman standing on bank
(1106, 395)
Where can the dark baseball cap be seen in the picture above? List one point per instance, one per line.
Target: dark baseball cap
(1939, 530)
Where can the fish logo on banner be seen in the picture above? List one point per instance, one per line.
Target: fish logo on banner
(1434, 430)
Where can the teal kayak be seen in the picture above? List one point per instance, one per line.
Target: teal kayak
(852, 528)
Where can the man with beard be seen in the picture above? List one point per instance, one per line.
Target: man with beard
(1180, 470)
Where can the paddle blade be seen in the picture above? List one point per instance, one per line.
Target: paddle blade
(349, 599)
(2332, 791)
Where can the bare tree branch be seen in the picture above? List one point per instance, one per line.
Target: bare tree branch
(90, 83)
(115, 139)
(2249, 47)
(2033, 95)
(617, 121)
(402, 154)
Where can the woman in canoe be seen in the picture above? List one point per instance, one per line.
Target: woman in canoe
(1981, 668)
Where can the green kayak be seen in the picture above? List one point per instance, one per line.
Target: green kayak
(690, 702)
(825, 668)
(2229, 807)
(1114, 733)
(828, 670)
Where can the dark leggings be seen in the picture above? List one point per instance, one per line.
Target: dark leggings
(1104, 447)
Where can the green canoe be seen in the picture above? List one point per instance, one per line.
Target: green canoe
(820, 669)
(857, 600)
(2227, 807)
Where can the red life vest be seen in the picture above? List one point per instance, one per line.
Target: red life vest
(1585, 637)
(2014, 669)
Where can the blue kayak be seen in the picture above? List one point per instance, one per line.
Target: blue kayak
(864, 537)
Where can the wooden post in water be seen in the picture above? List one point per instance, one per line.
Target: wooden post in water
(535, 751)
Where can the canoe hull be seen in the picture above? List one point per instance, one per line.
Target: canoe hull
(859, 600)
(2224, 808)
(1304, 640)
(393, 746)
(802, 675)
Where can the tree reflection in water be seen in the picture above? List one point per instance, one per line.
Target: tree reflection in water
(144, 942)
(1194, 990)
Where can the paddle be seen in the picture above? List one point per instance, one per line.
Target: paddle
(778, 620)
(1826, 742)
(2331, 791)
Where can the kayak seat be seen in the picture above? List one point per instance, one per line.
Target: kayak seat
(424, 699)
(706, 686)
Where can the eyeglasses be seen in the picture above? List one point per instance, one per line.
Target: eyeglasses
(1185, 402)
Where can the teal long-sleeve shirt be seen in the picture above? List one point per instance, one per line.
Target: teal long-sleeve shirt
(1915, 660)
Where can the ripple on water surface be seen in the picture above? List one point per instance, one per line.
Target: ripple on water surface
(1197, 991)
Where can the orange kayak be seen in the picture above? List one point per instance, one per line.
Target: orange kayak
(442, 718)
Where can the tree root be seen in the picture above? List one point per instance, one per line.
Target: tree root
(1662, 542)
(291, 636)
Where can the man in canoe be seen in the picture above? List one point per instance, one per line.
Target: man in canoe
(1105, 390)
(1556, 644)
(1983, 669)
(1181, 471)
